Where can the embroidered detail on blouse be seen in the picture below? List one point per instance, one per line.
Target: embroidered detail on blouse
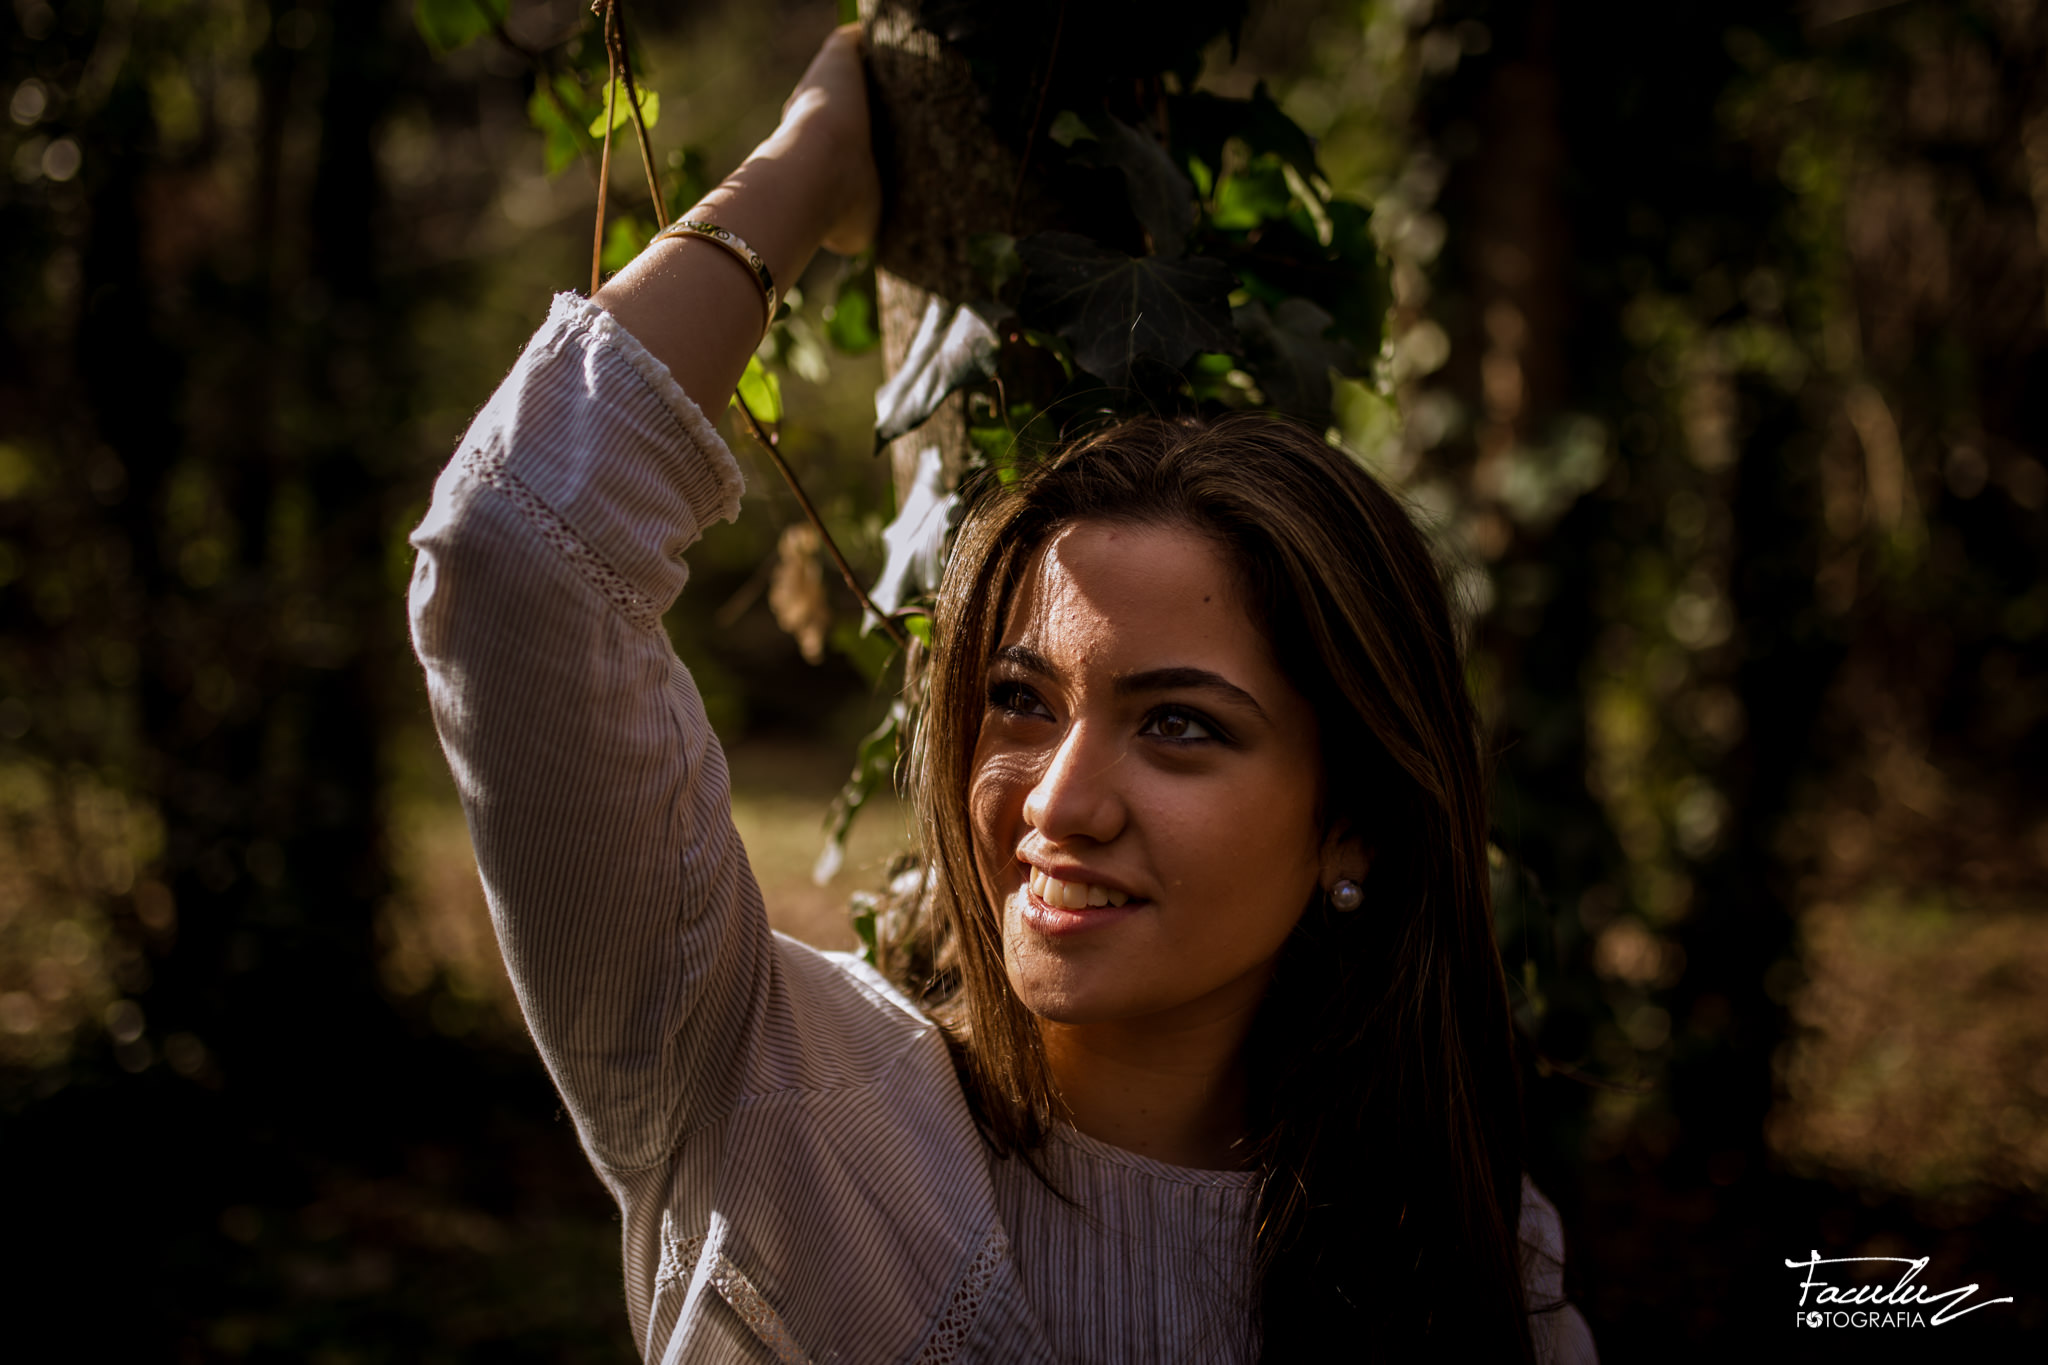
(736, 1289)
(945, 1343)
(488, 466)
(678, 1258)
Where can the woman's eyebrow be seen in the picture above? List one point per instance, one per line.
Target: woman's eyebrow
(1199, 679)
(1024, 657)
(1151, 680)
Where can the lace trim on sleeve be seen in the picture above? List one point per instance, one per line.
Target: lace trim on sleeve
(949, 1337)
(487, 465)
(764, 1322)
(678, 1257)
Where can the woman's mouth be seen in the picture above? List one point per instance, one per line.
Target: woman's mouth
(1066, 895)
(1055, 906)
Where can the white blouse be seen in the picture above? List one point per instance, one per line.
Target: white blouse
(788, 1143)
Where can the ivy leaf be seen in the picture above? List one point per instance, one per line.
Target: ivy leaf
(1347, 279)
(1117, 310)
(948, 352)
(1360, 302)
(1203, 122)
(761, 391)
(1254, 196)
(621, 107)
(1288, 349)
(450, 24)
(917, 538)
(1162, 198)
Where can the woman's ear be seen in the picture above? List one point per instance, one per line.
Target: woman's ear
(1346, 857)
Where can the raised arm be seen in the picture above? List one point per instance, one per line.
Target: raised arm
(596, 794)
(811, 184)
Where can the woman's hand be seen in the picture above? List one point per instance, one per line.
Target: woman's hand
(812, 183)
(831, 102)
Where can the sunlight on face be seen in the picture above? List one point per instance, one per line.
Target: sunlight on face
(1145, 783)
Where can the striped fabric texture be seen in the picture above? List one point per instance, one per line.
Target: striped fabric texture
(797, 1170)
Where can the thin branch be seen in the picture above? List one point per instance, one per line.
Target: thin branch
(625, 60)
(770, 444)
(604, 165)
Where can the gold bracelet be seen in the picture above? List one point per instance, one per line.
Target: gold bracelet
(730, 240)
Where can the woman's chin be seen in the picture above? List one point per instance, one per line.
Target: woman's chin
(1061, 978)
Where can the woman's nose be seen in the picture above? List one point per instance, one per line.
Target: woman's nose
(1077, 796)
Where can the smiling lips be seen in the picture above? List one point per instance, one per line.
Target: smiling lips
(1073, 895)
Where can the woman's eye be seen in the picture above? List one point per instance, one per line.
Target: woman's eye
(1015, 699)
(1173, 723)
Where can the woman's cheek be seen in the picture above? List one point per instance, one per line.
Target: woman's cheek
(995, 803)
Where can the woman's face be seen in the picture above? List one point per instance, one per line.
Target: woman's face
(1145, 783)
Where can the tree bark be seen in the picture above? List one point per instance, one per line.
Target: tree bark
(946, 176)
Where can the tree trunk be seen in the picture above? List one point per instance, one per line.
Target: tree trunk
(946, 176)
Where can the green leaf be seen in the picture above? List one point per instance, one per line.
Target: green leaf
(1161, 197)
(1068, 128)
(870, 654)
(865, 908)
(995, 443)
(1256, 195)
(621, 107)
(625, 237)
(850, 321)
(1288, 349)
(948, 353)
(1359, 303)
(564, 136)
(1347, 278)
(1203, 122)
(919, 625)
(450, 24)
(1119, 311)
(1370, 422)
(761, 391)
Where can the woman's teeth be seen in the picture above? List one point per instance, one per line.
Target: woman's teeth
(1072, 895)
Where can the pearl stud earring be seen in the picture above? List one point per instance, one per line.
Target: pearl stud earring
(1347, 895)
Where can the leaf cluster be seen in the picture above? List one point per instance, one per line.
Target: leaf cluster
(1200, 263)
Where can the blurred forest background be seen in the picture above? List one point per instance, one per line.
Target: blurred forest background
(1717, 364)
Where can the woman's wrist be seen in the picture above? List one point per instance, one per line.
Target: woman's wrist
(786, 192)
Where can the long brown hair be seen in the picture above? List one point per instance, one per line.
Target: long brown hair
(1384, 1110)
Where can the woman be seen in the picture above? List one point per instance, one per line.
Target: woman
(1210, 1056)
